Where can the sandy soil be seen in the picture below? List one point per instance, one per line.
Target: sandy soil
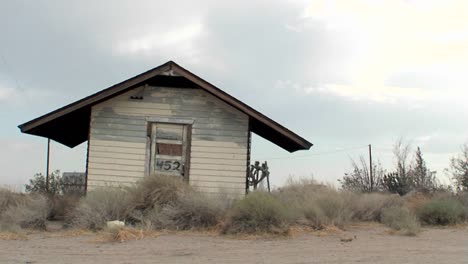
(370, 244)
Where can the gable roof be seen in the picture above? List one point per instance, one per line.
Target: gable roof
(69, 125)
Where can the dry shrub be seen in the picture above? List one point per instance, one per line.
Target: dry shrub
(257, 212)
(160, 190)
(416, 200)
(27, 211)
(101, 205)
(462, 197)
(61, 206)
(445, 210)
(9, 198)
(8, 235)
(400, 218)
(369, 206)
(318, 204)
(192, 211)
(126, 234)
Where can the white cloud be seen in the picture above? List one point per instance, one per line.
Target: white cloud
(180, 39)
(392, 37)
(379, 94)
(6, 93)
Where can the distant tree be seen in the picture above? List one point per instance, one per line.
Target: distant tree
(38, 184)
(400, 181)
(423, 179)
(459, 168)
(359, 179)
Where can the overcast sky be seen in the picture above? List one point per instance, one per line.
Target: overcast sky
(342, 74)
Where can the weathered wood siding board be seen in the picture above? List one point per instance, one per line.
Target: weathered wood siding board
(119, 130)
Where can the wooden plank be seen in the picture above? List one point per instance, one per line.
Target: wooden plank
(136, 111)
(217, 173)
(107, 160)
(106, 166)
(218, 156)
(239, 140)
(220, 161)
(126, 103)
(219, 144)
(117, 149)
(114, 173)
(109, 143)
(217, 167)
(221, 132)
(118, 120)
(114, 126)
(112, 132)
(219, 150)
(111, 155)
(199, 119)
(219, 126)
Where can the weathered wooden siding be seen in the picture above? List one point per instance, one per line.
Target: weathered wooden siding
(119, 129)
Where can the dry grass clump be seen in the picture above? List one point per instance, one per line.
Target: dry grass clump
(9, 198)
(415, 200)
(369, 206)
(257, 212)
(156, 202)
(23, 211)
(316, 204)
(99, 206)
(192, 211)
(151, 194)
(400, 218)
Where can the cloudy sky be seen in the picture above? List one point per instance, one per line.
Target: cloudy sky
(342, 74)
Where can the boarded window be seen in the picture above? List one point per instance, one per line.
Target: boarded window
(168, 148)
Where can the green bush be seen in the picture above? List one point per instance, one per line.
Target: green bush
(441, 211)
(257, 212)
(101, 205)
(400, 218)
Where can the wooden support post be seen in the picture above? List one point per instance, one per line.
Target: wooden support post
(370, 169)
(48, 165)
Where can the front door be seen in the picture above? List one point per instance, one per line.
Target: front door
(169, 149)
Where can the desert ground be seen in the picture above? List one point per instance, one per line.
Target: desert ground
(371, 243)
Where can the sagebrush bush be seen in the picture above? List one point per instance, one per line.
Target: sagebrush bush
(9, 198)
(462, 197)
(400, 218)
(157, 190)
(257, 212)
(62, 206)
(101, 205)
(24, 211)
(317, 204)
(192, 211)
(441, 211)
(369, 206)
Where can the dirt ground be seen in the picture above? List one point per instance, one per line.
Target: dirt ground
(371, 243)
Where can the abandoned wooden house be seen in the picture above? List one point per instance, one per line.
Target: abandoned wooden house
(164, 121)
